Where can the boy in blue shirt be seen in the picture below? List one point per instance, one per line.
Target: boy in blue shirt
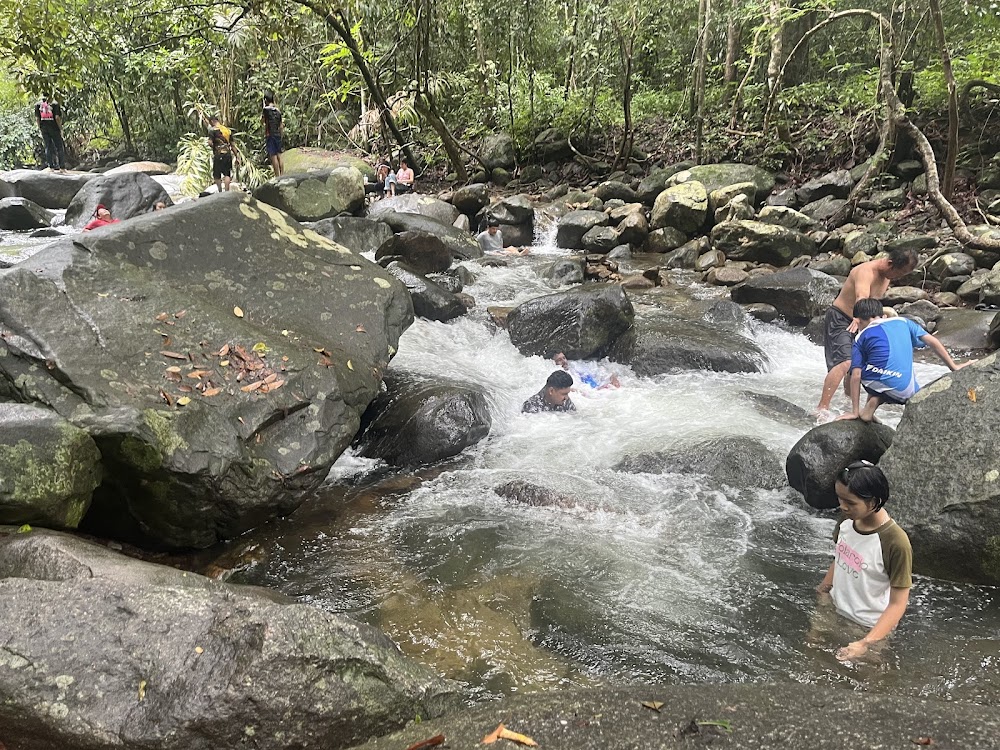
(882, 359)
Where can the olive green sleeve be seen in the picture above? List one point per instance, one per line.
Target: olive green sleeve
(897, 556)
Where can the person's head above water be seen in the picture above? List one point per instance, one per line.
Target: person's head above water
(492, 225)
(866, 310)
(901, 261)
(557, 387)
(561, 360)
(861, 481)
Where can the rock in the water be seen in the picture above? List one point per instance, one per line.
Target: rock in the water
(497, 151)
(471, 199)
(126, 196)
(356, 234)
(943, 473)
(684, 207)
(780, 410)
(103, 653)
(135, 323)
(423, 252)
(717, 176)
(581, 322)
(565, 271)
(664, 240)
(526, 493)
(514, 209)
(761, 243)
(600, 240)
(48, 468)
(418, 421)
(146, 167)
(310, 196)
(817, 459)
(413, 203)
(664, 344)
(430, 300)
(462, 244)
(574, 225)
(633, 229)
(21, 213)
(740, 462)
(799, 294)
(47, 189)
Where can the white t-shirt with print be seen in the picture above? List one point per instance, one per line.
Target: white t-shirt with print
(866, 565)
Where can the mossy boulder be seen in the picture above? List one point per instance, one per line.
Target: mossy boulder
(48, 468)
(310, 196)
(307, 159)
(761, 243)
(717, 176)
(684, 207)
(219, 355)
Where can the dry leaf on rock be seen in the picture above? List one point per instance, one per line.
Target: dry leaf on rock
(653, 705)
(212, 392)
(502, 733)
(430, 742)
(173, 355)
(238, 311)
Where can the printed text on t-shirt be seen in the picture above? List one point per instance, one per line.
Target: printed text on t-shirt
(850, 560)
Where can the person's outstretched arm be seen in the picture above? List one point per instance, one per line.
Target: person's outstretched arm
(898, 599)
(942, 353)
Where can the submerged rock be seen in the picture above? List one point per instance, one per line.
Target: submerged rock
(780, 410)
(582, 322)
(220, 357)
(125, 195)
(526, 493)
(816, 460)
(103, 653)
(944, 473)
(21, 213)
(737, 461)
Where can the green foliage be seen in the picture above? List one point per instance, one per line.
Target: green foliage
(17, 127)
(194, 164)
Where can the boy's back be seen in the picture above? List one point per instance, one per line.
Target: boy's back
(884, 353)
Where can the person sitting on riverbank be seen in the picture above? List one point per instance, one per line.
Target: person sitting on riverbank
(491, 241)
(590, 376)
(554, 396)
(102, 217)
(882, 359)
(869, 579)
(404, 177)
(387, 179)
(869, 279)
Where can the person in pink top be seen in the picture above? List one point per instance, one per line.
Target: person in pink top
(404, 177)
(102, 217)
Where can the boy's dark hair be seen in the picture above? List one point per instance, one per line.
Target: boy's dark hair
(492, 222)
(213, 119)
(866, 480)
(268, 97)
(901, 257)
(559, 379)
(868, 308)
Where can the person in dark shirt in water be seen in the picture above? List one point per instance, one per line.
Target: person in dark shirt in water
(554, 396)
(274, 128)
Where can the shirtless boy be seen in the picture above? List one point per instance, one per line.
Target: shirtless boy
(869, 279)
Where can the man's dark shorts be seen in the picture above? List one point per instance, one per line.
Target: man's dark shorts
(837, 342)
(273, 145)
(222, 166)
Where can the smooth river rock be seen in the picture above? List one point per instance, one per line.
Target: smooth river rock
(737, 461)
(799, 294)
(310, 196)
(126, 195)
(47, 189)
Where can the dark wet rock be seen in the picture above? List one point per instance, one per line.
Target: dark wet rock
(884, 200)
(526, 493)
(684, 207)
(582, 322)
(417, 421)
(600, 240)
(21, 213)
(125, 195)
(799, 294)
(612, 190)
(784, 198)
(836, 265)
(515, 209)
(833, 185)
(471, 199)
(48, 468)
(620, 252)
(102, 652)
(423, 252)
(717, 176)
(824, 209)
(429, 300)
(517, 235)
(726, 313)
(50, 232)
(762, 311)
(686, 256)
(633, 229)
(943, 469)
(356, 234)
(47, 189)
(310, 196)
(663, 344)
(820, 455)
(565, 271)
(574, 225)
(780, 410)
(99, 307)
(413, 203)
(497, 151)
(761, 243)
(759, 714)
(736, 461)
(462, 244)
(447, 282)
(710, 259)
(664, 240)
(924, 309)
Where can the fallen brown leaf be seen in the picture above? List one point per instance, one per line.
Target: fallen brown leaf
(224, 350)
(172, 355)
(972, 395)
(493, 736)
(199, 374)
(250, 387)
(653, 705)
(431, 742)
(162, 317)
(502, 733)
(173, 368)
(180, 314)
(185, 388)
(211, 392)
(923, 740)
(361, 329)
(238, 311)
(166, 397)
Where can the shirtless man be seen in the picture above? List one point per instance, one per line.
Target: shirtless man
(869, 279)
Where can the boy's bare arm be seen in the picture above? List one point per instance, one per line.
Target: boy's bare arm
(898, 599)
(827, 583)
(942, 353)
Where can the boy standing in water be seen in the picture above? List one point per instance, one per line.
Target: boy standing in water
(274, 128)
(869, 579)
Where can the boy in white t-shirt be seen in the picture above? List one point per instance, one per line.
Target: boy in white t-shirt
(869, 579)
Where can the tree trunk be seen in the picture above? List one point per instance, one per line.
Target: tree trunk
(774, 63)
(951, 155)
(733, 33)
(571, 65)
(425, 105)
(701, 63)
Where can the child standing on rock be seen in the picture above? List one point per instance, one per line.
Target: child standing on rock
(869, 579)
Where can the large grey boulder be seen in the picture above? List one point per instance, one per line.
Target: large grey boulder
(430, 300)
(788, 218)
(565, 271)
(353, 232)
(658, 181)
(423, 252)
(414, 203)
(514, 209)
(462, 244)
(581, 322)
(497, 151)
(146, 167)
(944, 473)
(717, 176)
(102, 652)
(310, 196)
(952, 264)
(126, 196)
(573, 226)
(816, 460)
(470, 199)
(964, 329)
(47, 189)
(418, 421)
(833, 185)
(664, 344)
(761, 243)
(737, 461)
(21, 213)
(48, 468)
(684, 207)
(219, 355)
(799, 294)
